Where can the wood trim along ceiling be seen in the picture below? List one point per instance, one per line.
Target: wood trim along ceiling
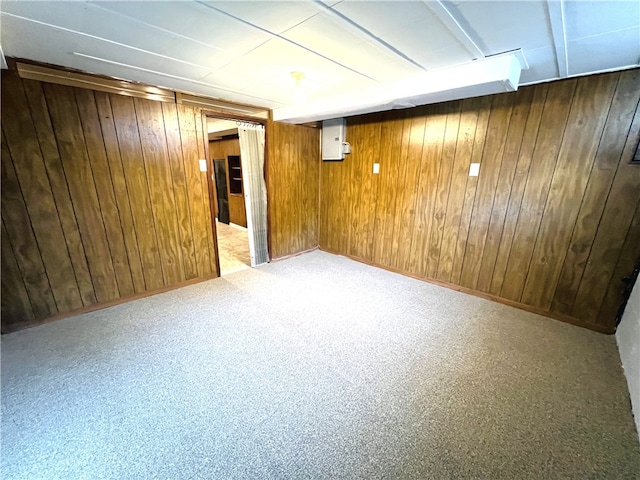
(59, 75)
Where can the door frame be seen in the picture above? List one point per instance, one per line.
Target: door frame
(211, 171)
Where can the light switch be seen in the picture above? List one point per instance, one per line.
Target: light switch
(203, 165)
(474, 169)
(376, 168)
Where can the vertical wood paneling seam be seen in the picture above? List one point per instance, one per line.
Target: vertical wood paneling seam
(104, 224)
(526, 184)
(126, 187)
(546, 198)
(493, 198)
(188, 196)
(180, 245)
(406, 136)
(416, 185)
(445, 112)
(466, 185)
(374, 229)
(620, 160)
(64, 235)
(153, 216)
(515, 170)
(22, 274)
(186, 188)
(475, 193)
(73, 205)
(115, 196)
(446, 207)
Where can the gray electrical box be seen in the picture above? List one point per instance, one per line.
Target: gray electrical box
(333, 133)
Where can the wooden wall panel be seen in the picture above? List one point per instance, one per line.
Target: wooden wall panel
(442, 189)
(435, 125)
(179, 177)
(600, 180)
(31, 174)
(548, 140)
(366, 227)
(23, 242)
(104, 188)
(58, 181)
(457, 187)
(128, 136)
(102, 199)
(292, 173)
(523, 165)
(490, 166)
(588, 112)
(16, 306)
(200, 211)
(391, 143)
(513, 142)
(122, 197)
(549, 225)
(158, 169)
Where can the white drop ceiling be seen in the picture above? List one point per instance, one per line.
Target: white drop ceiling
(245, 51)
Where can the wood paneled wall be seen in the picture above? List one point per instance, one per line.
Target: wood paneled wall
(293, 170)
(551, 224)
(102, 199)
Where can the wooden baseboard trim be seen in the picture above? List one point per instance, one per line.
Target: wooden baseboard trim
(285, 257)
(486, 296)
(100, 306)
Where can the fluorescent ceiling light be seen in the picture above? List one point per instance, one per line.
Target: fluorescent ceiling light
(496, 74)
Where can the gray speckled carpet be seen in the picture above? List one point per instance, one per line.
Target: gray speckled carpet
(316, 367)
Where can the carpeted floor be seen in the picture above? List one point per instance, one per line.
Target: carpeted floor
(233, 247)
(316, 367)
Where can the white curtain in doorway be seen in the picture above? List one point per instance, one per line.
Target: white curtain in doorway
(255, 190)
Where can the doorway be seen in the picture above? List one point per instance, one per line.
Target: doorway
(237, 189)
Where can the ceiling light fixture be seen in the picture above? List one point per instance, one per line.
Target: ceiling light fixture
(299, 93)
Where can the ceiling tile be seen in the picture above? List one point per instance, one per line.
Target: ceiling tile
(277, 17)
(499, 26)
(192, 21)
(604, 52)
(380, 17)
(328, 36)
(409, 27)
(275, 61)
(585, 18)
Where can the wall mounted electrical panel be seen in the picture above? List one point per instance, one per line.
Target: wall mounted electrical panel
(333, 139)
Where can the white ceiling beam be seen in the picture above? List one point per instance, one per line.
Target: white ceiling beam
(496, 74)
(559, 31)
(454, 27)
